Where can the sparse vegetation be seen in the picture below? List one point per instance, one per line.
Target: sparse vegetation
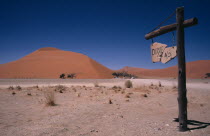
(123, 91)
(128, 84)
(11, 88)
(207, 75)
(145, 95)
(60, 88)
(74, 89)
(110, 101)
(174, 87)
(13, 93)
(123, 74)
(127, 96)
(96, 84)
(18, 87)
(36, 86)
(49, 98)
(62, 76)
(29, 94)
(79, 94)
(72, 75)
(160, 85)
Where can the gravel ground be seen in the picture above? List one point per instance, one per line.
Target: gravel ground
(85, 110)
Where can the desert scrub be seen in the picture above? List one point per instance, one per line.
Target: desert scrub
(96, 84)
(128, 84)
(18, 88)
(127, 96)
(49, 98)
(60, 88)
(159, 84)
(11, 88)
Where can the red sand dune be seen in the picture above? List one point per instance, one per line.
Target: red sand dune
(195, 69)
(51, 62)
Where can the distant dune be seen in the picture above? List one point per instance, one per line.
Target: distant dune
(51, 62)
(195, 69)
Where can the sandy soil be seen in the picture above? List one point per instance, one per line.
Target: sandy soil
(83, 108)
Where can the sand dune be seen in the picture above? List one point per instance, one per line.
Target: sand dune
(195, 69)
(51, 62)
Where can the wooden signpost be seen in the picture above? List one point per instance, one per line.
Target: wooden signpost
(157, 51)
(179, 27)
(168, 54)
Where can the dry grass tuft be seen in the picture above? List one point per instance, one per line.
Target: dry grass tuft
(29, 94)
(60, 88)
(110, 101)
(36, 86)
(96, 84)
(74, 89)
(127, 95)
(79, 94)
(127, 100)
(160, 85)
(128, 84)
(114, 87)
(49, 98)
(144, 95)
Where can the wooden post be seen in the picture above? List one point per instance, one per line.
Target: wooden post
(182, 98)
(171, 27)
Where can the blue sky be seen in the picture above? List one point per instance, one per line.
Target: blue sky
(109, 31)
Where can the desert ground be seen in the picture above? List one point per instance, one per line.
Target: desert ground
(103, 107)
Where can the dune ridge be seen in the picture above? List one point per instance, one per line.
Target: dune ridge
(51, 62)
(194, 69)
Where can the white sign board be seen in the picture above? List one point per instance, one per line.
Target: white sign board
(157, 51)
(168, 54)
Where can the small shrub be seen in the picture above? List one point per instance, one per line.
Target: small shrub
(127, 100)
(144, 95)
(74, 89)
(62, 76)
(72, 75)
(127, 96)
(60, 88)
(123, 91)
(50, 98)
(160, 85)
(96, 84)
(128, 84)
(13, 93)
(29, 94)
(114, 87)
(18, 88)
(79, 94)
(11, 88)
(110, 101)
(36, 86)
(174, 87)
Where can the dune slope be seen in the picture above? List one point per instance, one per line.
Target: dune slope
(195, 69)
(51, 62)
